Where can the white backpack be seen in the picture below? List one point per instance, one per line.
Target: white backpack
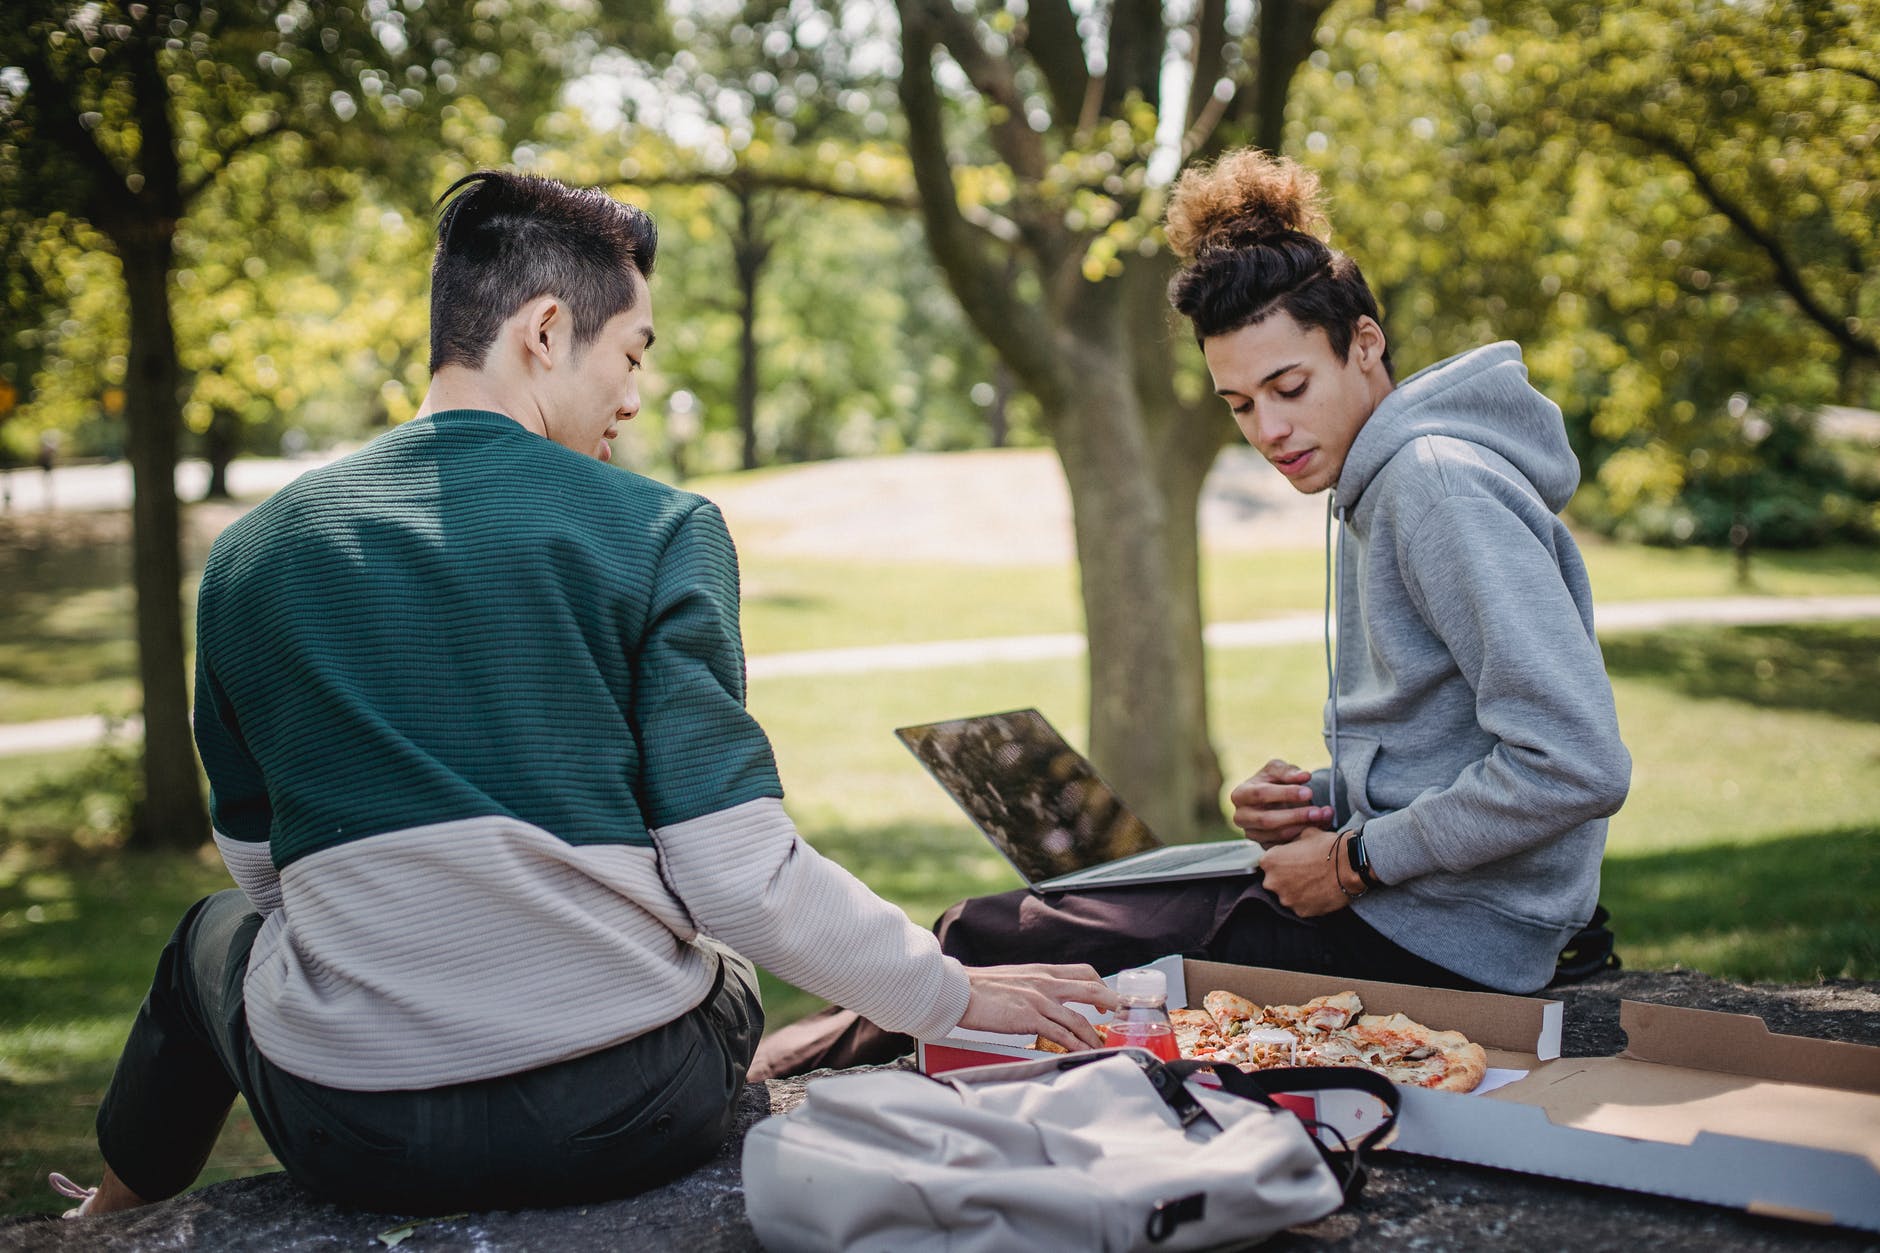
(1111, 1150)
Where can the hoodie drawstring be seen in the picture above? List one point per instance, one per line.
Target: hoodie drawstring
(1331, 658)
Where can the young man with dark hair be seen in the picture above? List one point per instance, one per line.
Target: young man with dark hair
(471, 705)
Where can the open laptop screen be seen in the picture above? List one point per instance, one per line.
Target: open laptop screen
(1036, 798)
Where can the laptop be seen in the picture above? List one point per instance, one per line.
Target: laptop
(1043, 806)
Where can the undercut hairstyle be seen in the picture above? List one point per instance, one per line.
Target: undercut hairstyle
(504, 239)
(1247, 230)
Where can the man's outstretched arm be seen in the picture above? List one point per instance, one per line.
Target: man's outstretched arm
(734, 858)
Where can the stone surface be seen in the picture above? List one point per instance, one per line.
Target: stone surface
(1411, 1203)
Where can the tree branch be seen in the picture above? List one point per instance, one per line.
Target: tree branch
(1017, 144)
(982, 288)
(201, 183)
(1210, 59)
(1135, 56)
(1868, 76)
(1052, 39)
(1788, 277)
(101, 197)
(771, 180)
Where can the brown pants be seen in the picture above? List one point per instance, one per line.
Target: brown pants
(1228, 920)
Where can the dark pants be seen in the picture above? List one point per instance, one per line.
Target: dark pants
(1226, 920)
(603, 1125)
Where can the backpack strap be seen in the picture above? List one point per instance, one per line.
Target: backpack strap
(1263, 1085)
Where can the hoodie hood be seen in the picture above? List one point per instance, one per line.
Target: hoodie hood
(1482, 396)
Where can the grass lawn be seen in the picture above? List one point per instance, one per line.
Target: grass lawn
(1747, 849)
(66, 651)
(79, 938)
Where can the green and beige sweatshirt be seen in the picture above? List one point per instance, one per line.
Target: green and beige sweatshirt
(472, 710)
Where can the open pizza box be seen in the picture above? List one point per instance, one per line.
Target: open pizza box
(1703, 1106)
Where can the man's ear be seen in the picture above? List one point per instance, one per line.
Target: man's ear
(544, 323)
(1368, 342)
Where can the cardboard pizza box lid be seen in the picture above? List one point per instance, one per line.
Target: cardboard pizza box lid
(1742, 1044)
(1701, 1105)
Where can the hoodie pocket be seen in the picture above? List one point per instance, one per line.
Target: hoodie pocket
(1354, 757)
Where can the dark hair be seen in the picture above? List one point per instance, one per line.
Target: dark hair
(503, 239)
(1242, 228)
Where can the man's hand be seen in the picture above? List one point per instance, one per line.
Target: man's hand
(1029, 1000)
(1303, 876)
(1275, 805)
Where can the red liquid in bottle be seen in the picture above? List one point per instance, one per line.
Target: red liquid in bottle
(1142, 1021)
(1157, 1037)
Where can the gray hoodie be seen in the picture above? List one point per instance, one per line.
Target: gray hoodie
(1471, 721)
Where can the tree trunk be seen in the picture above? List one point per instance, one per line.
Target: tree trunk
(171, 813)
(219, 444)
(1138, 728)
(1179, 481)
(999, 414)
(749, 252)
(1138, 556)
(1186, 439)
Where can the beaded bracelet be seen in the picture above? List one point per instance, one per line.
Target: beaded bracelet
(1332, 856)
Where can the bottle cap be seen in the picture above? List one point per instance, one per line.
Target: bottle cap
(1142, 985)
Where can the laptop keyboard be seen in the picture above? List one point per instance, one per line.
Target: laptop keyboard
(1168, 859)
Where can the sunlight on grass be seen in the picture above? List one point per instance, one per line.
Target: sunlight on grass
(26, 770)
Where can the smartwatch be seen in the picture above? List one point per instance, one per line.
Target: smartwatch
(1361, 861)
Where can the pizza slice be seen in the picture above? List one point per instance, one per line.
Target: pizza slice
(1407, 1052)
(1197, 1034)
(1321, 1013)
(1231, 1014)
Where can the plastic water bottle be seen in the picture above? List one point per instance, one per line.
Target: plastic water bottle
(1142, 1020)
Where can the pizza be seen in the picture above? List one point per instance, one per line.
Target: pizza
(1326, 1031)
(1335, 1031)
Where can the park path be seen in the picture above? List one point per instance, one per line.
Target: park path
(1299, 628)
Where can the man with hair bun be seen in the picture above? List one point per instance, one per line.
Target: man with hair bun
(471, 705)
(1475, 750)
(1456, 837)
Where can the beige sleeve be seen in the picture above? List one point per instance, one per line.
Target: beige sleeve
(751, 881)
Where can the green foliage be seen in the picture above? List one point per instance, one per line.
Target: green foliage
(1671, 206)
(860, 350)
(297, 153)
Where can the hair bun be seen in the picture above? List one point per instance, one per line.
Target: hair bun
(1239, 199)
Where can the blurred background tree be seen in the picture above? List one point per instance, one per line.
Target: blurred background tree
(932, 225)
(118, 120)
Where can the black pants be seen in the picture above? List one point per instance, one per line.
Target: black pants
(603, 1125)
(1232, 920)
